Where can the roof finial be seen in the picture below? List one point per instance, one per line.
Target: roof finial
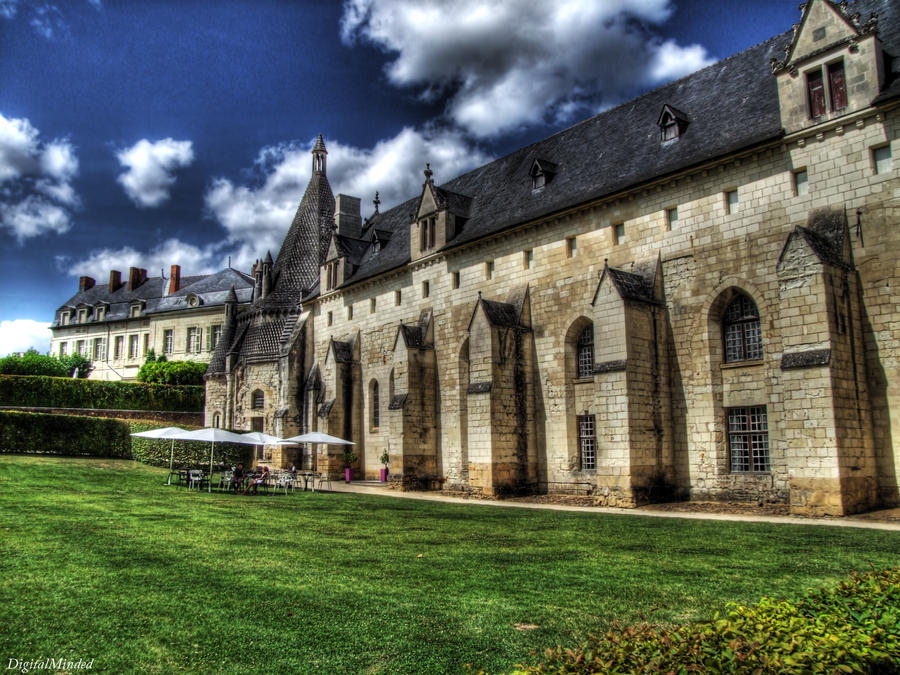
(428, 172)
(318, 153)
(377, 201)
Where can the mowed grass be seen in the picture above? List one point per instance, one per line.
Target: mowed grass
(100, 560)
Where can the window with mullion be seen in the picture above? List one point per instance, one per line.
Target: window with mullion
(587, 441)
(748, 439)
(741, 331)
(586, 352)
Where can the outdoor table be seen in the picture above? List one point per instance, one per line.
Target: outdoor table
(307, 475)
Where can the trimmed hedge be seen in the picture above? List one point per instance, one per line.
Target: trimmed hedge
(173, 372)
(851, 628)
(155, 452)
(62, 392)
(37, 434)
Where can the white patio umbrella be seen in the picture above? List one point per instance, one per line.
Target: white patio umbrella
(259, 438)
(319, 437)
(211, 435)
(164, 432)
(315, 437)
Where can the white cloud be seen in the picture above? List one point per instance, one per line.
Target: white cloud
(19, 148)
(517, 62)
(36, 194)
(33, 216)
(193, 260)
(20, 335)
(151, 167)
(45, 18)
(257, 218)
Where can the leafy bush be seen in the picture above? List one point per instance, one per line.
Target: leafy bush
(155, 452)
(56, 392)
(33, 433)
(852, 628)
(160, 371)
(32, 363)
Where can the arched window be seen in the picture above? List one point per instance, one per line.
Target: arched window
(741, 331)
(376, 406)
(585, 352)
(258, 400)
(217, 421)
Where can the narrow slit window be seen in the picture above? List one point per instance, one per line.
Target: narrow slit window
(801, 183)
(672, 218)
(883, 160)
(731, 201)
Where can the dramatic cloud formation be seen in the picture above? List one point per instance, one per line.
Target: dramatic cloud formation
(193, 259)
(151, 167)
(20, 335)
(256, 218)
(516, 62)
(36, 195)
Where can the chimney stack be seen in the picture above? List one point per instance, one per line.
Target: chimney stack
(136, 277)
(175, 279)
(84, 283)
(115, 280)
(347, 216)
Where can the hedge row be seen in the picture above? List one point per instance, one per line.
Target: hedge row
(32, 433)
(155, 452)
(62, 392)
(852, 628)
(173, 372)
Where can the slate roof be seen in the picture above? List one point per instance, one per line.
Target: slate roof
(305, 246)
(211, 289)
(629, 285)
(501, 314)
(732, 105)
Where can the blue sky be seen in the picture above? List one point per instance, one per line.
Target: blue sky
(156, 132)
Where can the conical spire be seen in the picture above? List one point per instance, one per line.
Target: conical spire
(296, 268)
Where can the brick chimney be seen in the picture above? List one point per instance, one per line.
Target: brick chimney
(136, 277)
(85, 283)
(175, 279)
(115, 280)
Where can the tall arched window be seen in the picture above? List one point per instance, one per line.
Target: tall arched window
(376, 406)
(258, 401)
(741, 331)
(585, 352)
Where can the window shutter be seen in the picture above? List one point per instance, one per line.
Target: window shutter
(816, 88)
(837, 86)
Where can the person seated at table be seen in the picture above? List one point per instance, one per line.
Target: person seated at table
(237, 477)
(259, 480)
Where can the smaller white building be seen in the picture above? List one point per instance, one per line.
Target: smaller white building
(115, 325)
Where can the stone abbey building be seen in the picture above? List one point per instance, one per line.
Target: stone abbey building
(692, 295)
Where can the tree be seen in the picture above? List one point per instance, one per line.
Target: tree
(32, 363)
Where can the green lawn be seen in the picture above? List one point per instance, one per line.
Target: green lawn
(101, 560)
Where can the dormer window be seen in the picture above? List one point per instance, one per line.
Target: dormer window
(82, 315)
(541, 173)
(134, 310)
(64, 318)
(672, 123)
(193, 300)
(331, 275)
(427, 231)
(100, 313)
(832, 77)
